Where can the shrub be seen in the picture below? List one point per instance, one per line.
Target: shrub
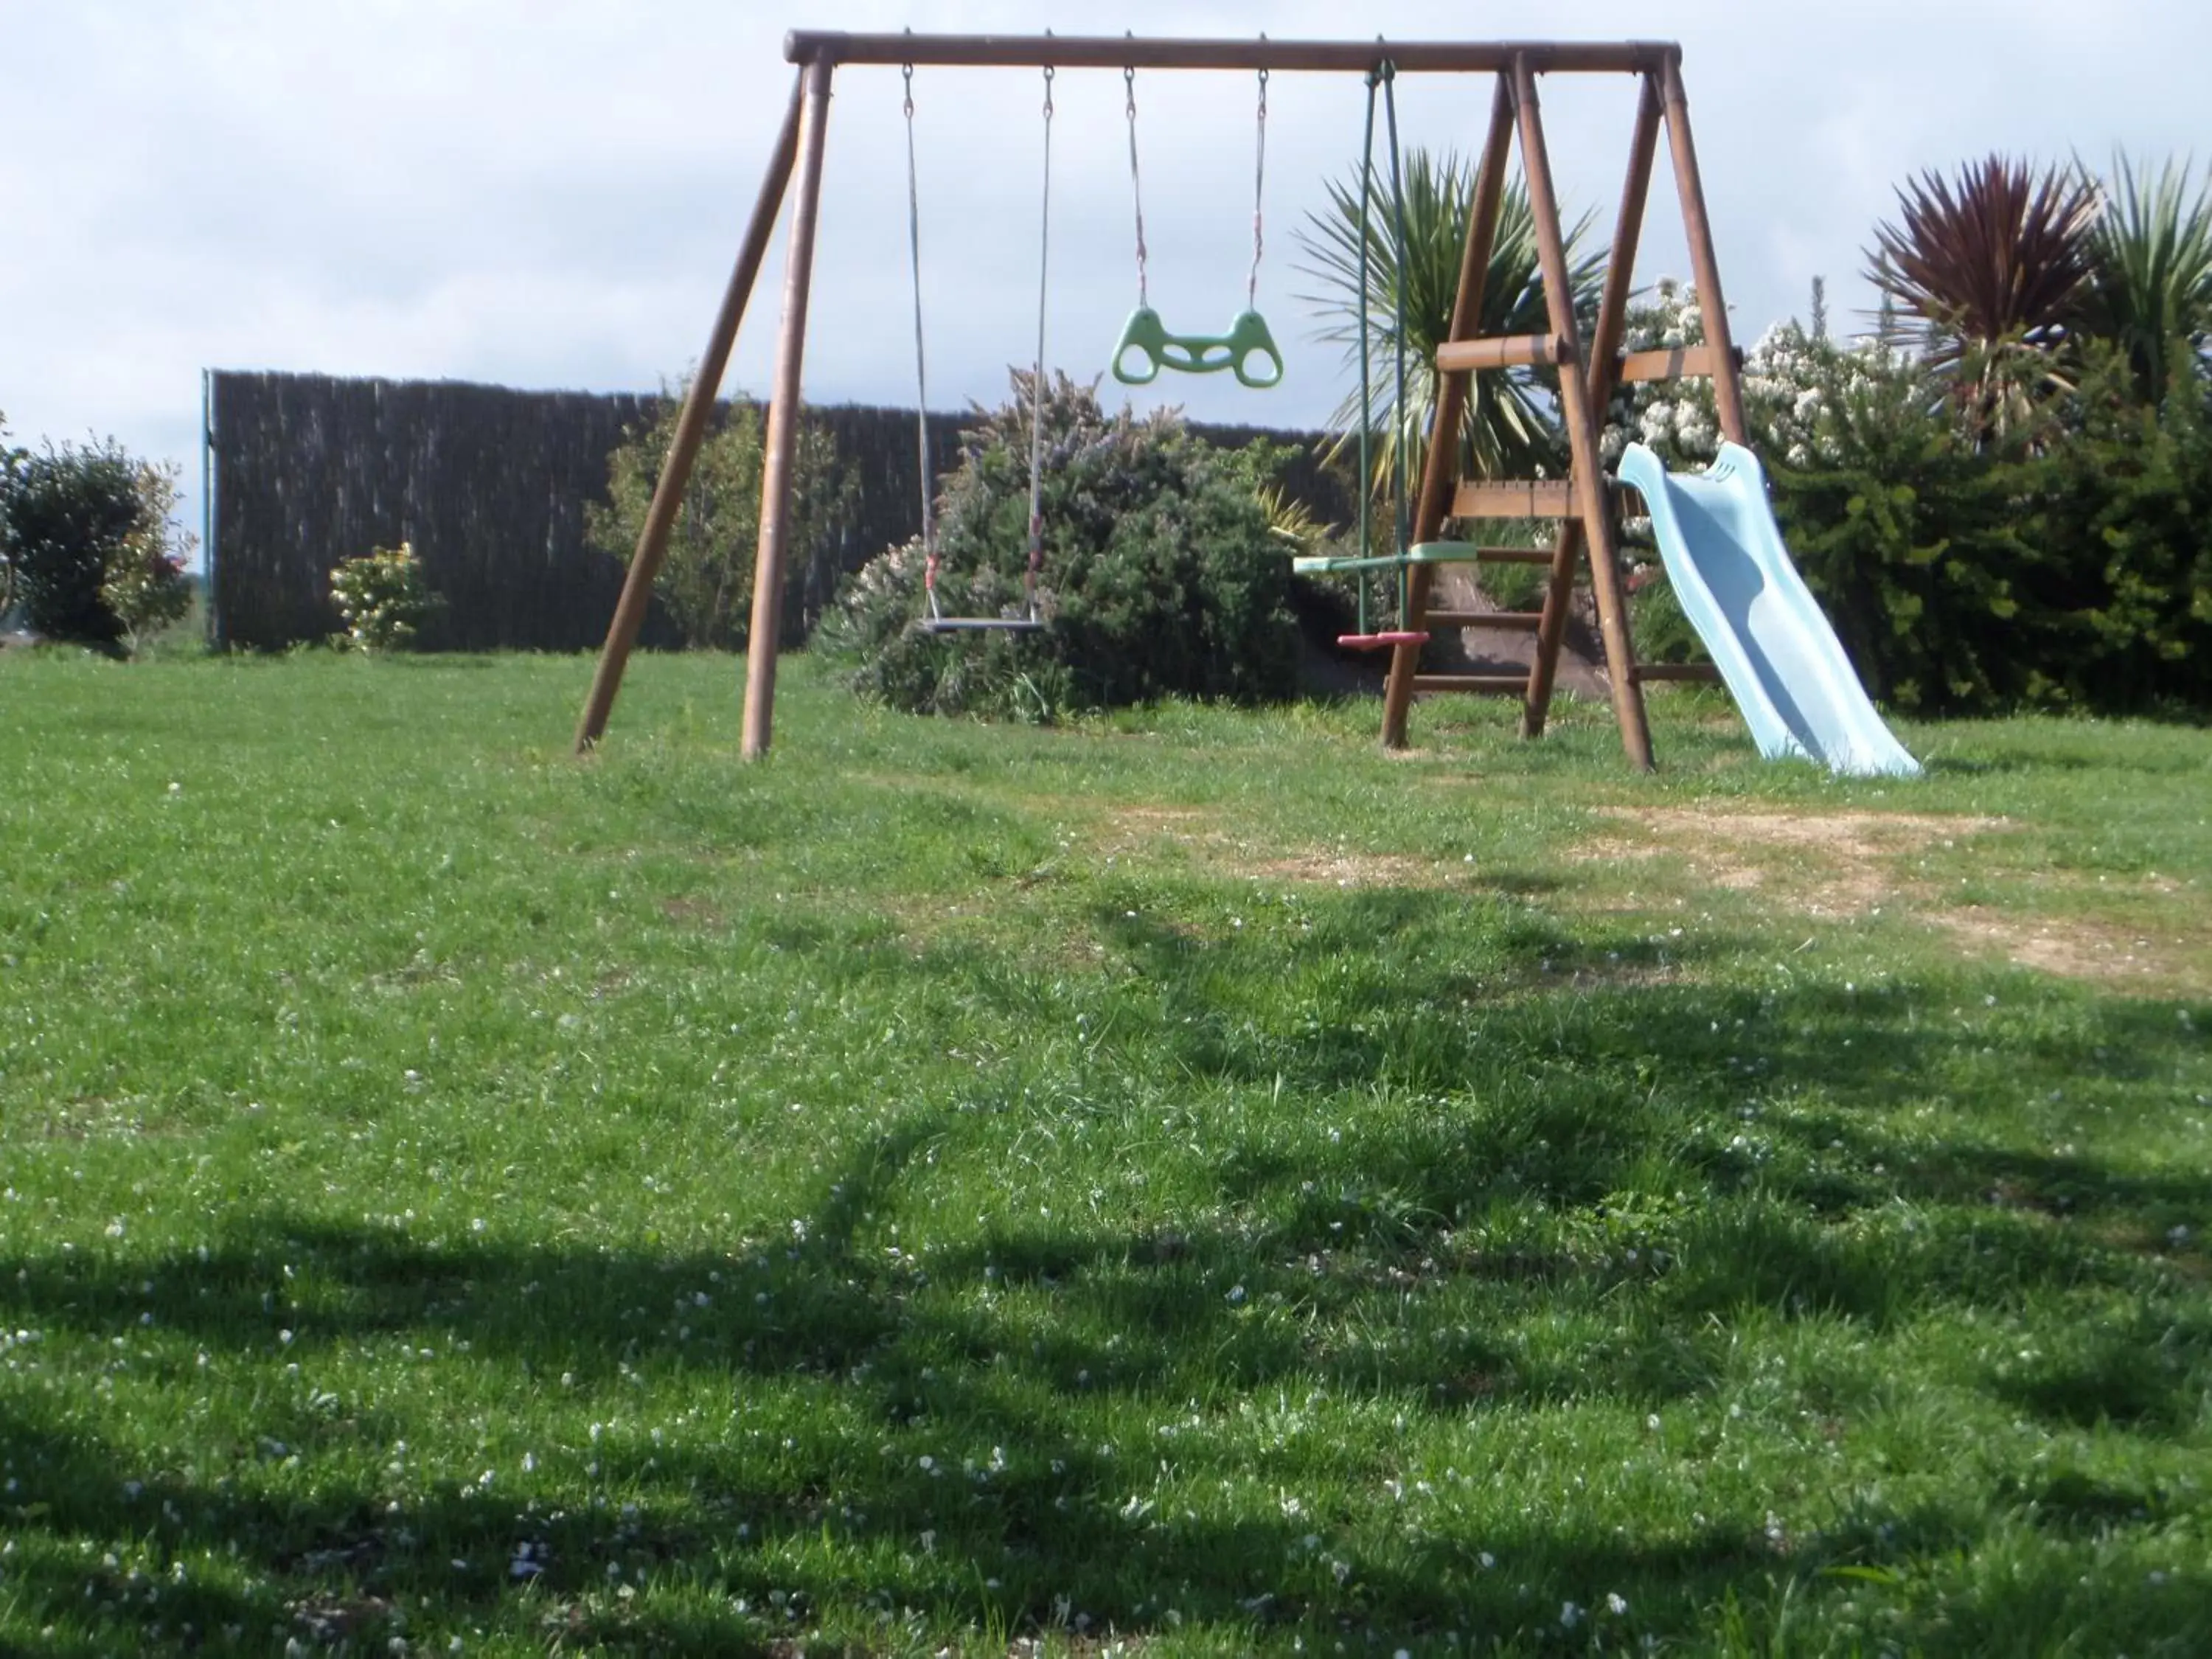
(145, 586)
(2124, 591)
(1160, 575)
(383, 598)
(84, 530)
(706, 578)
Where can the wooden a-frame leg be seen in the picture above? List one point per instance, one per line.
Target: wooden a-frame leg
(691, 429)
(1442, 463)
(1588, 479)
(1712, 307)
(779, 446)
(1603, 373)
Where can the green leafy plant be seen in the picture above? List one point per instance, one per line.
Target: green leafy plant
(1987, 274)
(145, 586)
(706, 578)
(2120, 618)
(1509, 428)
(383, 599)
(1161, 574)
(88, 544)
(2150, 275)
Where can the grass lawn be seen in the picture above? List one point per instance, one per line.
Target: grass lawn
(1187, 1184)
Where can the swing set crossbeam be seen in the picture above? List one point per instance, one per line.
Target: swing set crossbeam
(1123, 52)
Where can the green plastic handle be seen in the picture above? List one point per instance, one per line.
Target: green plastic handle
(1197, 354)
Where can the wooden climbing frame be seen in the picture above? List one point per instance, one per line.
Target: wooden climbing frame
(1583, 502)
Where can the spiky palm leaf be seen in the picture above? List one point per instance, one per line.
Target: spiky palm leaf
(1510, 426)
(1986, 274)
(2150, 272)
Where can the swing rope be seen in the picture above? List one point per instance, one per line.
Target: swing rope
(1259, 198)
(1036, 372)
(1399, 458)
(920, 365)
(1136, 184)
(935, 620)
(1382, 77)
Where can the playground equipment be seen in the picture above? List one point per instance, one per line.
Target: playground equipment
(1248, 337)
(1581, 503)
(933, 619)
(1782, 662)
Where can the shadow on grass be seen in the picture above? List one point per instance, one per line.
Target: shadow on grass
(1579, 1069)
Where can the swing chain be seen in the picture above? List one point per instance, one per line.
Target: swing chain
(1259, 197)
(1136, 186)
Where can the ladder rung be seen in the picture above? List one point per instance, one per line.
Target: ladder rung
(1529, 620)
(1503, 351)
(1475, 682)
(1682, 362)
(1647, 672)
(1533, 498)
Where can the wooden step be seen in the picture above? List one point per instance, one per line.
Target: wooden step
(1682, 362)
(1648, 673)
(1503, 351)
(1527, 620)
(1478, 684)
(1529, 498)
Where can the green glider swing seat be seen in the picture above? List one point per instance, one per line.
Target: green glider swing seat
(1248, 350)
(1402, 557)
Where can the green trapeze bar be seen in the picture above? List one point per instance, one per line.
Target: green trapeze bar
(1198, 354)
(1420, 553)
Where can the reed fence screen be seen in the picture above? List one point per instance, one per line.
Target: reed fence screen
(489, 486)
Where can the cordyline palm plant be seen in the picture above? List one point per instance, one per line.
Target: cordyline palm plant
(2150, 273)
(1986, 276)
(1509, 426)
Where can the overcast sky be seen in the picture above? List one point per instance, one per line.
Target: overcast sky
(548, 192)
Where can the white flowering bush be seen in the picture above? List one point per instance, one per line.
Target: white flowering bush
(383, 598)
(1793, 381)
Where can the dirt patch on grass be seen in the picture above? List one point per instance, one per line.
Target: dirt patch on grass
(2073, 947)
(692, 912)
(1324, 868)
(1197, 836)
(1826, 864)
(1838, 866)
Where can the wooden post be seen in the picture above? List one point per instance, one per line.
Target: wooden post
(1581, 421)
(1712, 307)
(691, 430)
(781, 446)
(1438, 471)
(1602, 372)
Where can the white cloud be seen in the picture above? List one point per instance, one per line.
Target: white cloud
(548, 192)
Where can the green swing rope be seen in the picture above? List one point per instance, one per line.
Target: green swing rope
(1400, 495)
(1383, 76)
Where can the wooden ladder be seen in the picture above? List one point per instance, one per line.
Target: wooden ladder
(1584, 504)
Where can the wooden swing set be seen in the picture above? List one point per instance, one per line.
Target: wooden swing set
(1584, 504)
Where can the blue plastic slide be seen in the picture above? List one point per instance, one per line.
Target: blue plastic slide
(1780, 659)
